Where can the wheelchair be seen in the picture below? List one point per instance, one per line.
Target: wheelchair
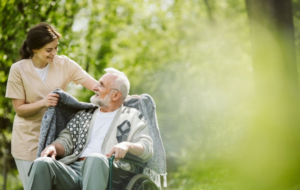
(120, 179)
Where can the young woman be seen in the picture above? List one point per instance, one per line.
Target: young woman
(30, 83)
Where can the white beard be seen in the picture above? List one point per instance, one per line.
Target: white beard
(102, 103)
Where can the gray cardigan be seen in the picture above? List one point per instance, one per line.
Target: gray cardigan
(80, 129)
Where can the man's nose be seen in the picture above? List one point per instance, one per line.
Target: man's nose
(95, 87)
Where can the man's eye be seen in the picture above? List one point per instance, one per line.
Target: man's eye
(101, 85)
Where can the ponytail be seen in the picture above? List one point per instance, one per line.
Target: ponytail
(24, 51)
(37, 37)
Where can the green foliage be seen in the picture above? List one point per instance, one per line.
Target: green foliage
(192, 57)
(13, 182)
(16, 19)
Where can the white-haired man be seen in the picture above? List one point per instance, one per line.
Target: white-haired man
(91, 137)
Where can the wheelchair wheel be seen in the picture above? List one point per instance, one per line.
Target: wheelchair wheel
(141, 182)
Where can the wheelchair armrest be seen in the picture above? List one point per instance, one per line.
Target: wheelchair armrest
(132, 159)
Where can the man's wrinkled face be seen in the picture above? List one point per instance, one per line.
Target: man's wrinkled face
(103, 91)
(102, 103)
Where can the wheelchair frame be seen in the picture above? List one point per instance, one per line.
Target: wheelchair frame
(139, 181)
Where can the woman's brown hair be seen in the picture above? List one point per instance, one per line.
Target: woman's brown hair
(37, 37)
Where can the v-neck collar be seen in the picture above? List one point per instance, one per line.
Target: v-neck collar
(49, 75)
(35, 76)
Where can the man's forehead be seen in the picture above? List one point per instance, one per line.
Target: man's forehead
(107, 78)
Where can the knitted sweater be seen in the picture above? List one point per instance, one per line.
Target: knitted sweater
(128, 125)
(56, 119)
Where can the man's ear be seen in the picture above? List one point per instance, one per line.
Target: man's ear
(116, 96)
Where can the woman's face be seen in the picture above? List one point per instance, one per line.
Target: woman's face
(46, 54)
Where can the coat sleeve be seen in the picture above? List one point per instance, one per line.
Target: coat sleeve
(78, 75)
(15, 88)
(65, 139)
(141, 136)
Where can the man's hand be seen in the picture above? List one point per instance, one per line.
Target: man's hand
(49, 151)
(119, 150)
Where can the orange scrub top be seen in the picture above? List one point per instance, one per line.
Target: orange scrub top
(25, 83)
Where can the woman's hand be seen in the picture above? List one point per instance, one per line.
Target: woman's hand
(51, 100)
(24, 109)
(132, 96)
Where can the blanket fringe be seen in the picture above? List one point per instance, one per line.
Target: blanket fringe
(155, 177)
(165, 179)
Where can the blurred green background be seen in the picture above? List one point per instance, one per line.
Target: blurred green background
(223, 74)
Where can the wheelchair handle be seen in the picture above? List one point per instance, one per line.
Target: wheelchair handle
(111, 161)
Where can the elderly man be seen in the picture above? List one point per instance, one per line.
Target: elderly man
(91, 137)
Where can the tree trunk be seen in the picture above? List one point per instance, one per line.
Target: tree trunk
(209, 11)
(5, 152)
(4, 169)
(273, 46)
(270, 161)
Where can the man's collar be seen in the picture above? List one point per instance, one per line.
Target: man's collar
(101, 110)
